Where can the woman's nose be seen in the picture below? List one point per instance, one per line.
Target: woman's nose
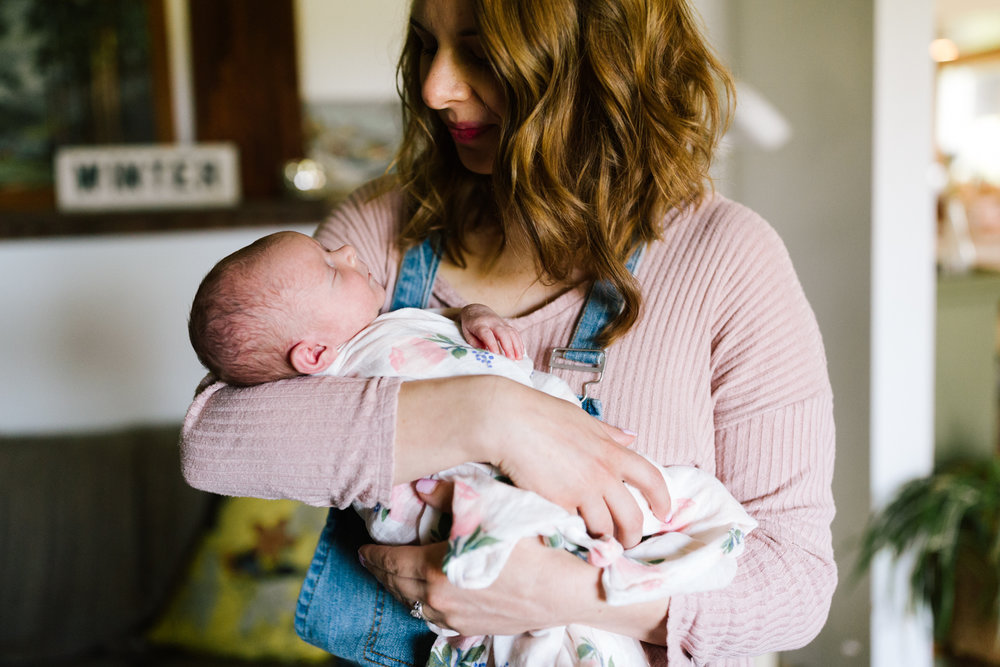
(446, 81)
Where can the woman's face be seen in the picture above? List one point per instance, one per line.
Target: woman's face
(457, 81)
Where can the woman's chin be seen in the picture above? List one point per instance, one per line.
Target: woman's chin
(476, 162)
(479, 168)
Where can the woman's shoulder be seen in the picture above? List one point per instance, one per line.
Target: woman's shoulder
(725, 253)
(374, 207)
(721, 219)
(719, 230)
(380, 191)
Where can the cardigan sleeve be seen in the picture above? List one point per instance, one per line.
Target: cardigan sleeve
(782, 592)
(774, 451)
(325, 441)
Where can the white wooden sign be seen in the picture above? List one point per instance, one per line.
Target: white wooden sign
(146, 177)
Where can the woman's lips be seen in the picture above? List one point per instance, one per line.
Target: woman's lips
(464, 133)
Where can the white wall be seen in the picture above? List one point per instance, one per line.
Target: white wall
(95, 330)
(862, 242)
(903, 299)
(812, 59)
(348, 49)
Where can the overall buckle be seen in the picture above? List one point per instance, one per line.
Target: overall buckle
(559, 359)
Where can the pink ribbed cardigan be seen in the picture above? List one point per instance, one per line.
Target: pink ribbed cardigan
(724, 371)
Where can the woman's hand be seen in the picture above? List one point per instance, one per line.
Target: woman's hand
(515, 603)
(555, 449)
(544, 444)
(539, 587)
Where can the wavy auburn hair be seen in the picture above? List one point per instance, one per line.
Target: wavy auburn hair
(613, 112)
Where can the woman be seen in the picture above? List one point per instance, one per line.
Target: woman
(548, 147)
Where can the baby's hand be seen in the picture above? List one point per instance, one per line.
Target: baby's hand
(488, 331)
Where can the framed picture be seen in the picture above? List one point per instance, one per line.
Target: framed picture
(96, 74)
(71, 73)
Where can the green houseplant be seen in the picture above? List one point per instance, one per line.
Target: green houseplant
(949, 522)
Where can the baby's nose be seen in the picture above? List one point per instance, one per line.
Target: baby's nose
(346, 254)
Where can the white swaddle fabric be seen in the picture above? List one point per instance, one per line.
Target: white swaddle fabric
(416, 344)
(694, 549)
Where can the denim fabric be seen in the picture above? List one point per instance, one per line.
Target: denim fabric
(602, 304)
(416, 276)
(342, 608)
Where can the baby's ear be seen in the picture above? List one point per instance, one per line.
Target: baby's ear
(309, 357)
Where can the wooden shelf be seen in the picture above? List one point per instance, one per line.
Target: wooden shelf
(34, 224)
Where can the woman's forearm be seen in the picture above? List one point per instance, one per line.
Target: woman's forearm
(781, 595)
(320, 440)
(528, 434)
(538, 587)
(575, 588)
(439, 424)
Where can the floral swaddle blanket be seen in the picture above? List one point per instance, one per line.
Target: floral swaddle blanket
(416, 344)
(694, 550)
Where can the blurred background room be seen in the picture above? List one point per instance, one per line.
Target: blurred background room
(142, 140)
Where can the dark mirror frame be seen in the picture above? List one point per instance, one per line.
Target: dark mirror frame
(242, 94)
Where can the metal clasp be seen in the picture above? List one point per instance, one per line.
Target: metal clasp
(558, 359)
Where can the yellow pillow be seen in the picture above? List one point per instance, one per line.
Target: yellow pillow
(238, 599)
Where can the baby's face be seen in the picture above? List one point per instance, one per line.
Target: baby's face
(339, 293)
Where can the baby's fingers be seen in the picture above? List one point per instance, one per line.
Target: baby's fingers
(489, 341)
(510, 343)
(480, 337)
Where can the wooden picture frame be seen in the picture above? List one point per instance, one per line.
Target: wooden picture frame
(245, 90)
(87, 72)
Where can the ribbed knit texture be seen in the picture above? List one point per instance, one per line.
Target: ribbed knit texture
(725, 371)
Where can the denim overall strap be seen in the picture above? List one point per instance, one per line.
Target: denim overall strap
(342, 608)
(416, 275)
(603, 303)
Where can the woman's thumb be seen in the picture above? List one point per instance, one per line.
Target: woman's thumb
(435, 493)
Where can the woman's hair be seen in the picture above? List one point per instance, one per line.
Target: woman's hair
(613, 112)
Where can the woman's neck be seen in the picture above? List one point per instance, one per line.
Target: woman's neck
(508, 281)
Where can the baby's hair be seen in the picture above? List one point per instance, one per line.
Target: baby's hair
(239, 318)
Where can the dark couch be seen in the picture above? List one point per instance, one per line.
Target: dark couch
(95, 533)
